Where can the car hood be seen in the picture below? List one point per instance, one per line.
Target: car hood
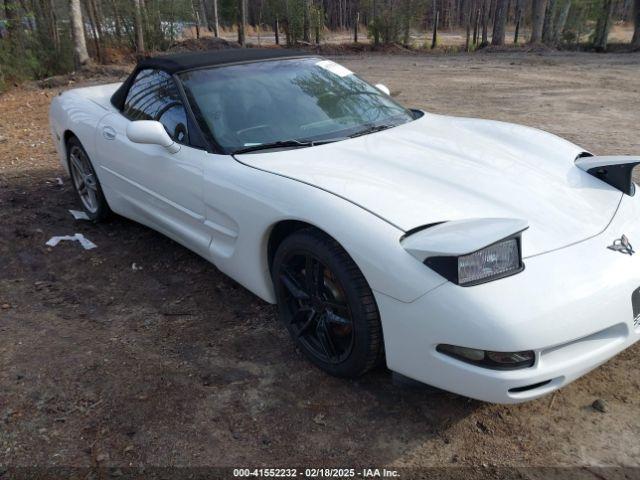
(440, 168)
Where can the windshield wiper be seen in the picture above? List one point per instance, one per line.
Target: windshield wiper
(284, 144)
(371, 129)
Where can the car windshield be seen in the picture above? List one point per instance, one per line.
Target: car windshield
(294, 102)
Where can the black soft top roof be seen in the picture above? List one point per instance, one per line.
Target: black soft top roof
(181, 62)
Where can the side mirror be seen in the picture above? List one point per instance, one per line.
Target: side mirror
(383, 88)
(152, 133)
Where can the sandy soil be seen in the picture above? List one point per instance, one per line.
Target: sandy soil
(172, 363)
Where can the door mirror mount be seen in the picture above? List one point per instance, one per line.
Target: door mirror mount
(150, 132)
(383, 88)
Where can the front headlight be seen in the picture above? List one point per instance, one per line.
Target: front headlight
(494, 261)
(498, 260)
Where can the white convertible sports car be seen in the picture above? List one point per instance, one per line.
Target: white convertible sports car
(485, 258)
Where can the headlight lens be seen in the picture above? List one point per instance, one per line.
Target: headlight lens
(493, 261)
(498, 260)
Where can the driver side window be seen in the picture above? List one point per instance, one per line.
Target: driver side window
(154, 96)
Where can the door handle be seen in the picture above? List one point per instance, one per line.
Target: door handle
(109, 133)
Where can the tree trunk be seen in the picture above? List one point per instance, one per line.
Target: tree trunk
(14, 25)
(549, 21)
(406, 28)
(46, 24)
(561, 22)
(214, 18)
(196, 17)
(499, 22)
(202, 14)
(476, 25)
(374, 19)
(306, 27)
(356, 23)
(518, 21)
(116, 20)
(434, 39)
(603, 25)
(538, 8)
(579, 32)
(467, 40)
(635, 42)
(97, 18)
(242, 20)
(276, 30)
(54, 26)
(52, 22)
(485, 24)
(81, 56)
(96, 30)
(139, 28)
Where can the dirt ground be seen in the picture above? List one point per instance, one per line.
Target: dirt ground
(172, 363)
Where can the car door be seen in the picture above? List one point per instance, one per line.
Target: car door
(146, 182)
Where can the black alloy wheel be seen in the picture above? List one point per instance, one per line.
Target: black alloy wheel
(326, 304)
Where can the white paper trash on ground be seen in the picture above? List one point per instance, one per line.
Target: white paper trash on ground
(78, 237)
(78, 215)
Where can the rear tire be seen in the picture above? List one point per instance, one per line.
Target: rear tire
(85, 182)
(326, 304)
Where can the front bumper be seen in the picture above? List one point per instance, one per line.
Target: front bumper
(571, 306)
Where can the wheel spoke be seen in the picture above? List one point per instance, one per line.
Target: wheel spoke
(326, 342)
(77, 164)
(293, 286)
(306, 324)
(337, 319)
(336, 307)
(90, 182)
(302, 314)
(91, 198)
(84, 179)
(77, 177)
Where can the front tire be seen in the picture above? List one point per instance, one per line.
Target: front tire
(326, 304)
(85, 182)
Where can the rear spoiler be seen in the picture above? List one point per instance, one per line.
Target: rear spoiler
(614, 170)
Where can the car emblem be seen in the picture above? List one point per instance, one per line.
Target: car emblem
(622, 245)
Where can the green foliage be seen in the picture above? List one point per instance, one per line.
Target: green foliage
(163, 21)
(581, 21)
(392, 21)
(33, 58)
(294, 25)
(385, 27)
(228, 11)
(316, 20)
(273, 9)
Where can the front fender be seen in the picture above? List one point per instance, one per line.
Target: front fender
(246, 202)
